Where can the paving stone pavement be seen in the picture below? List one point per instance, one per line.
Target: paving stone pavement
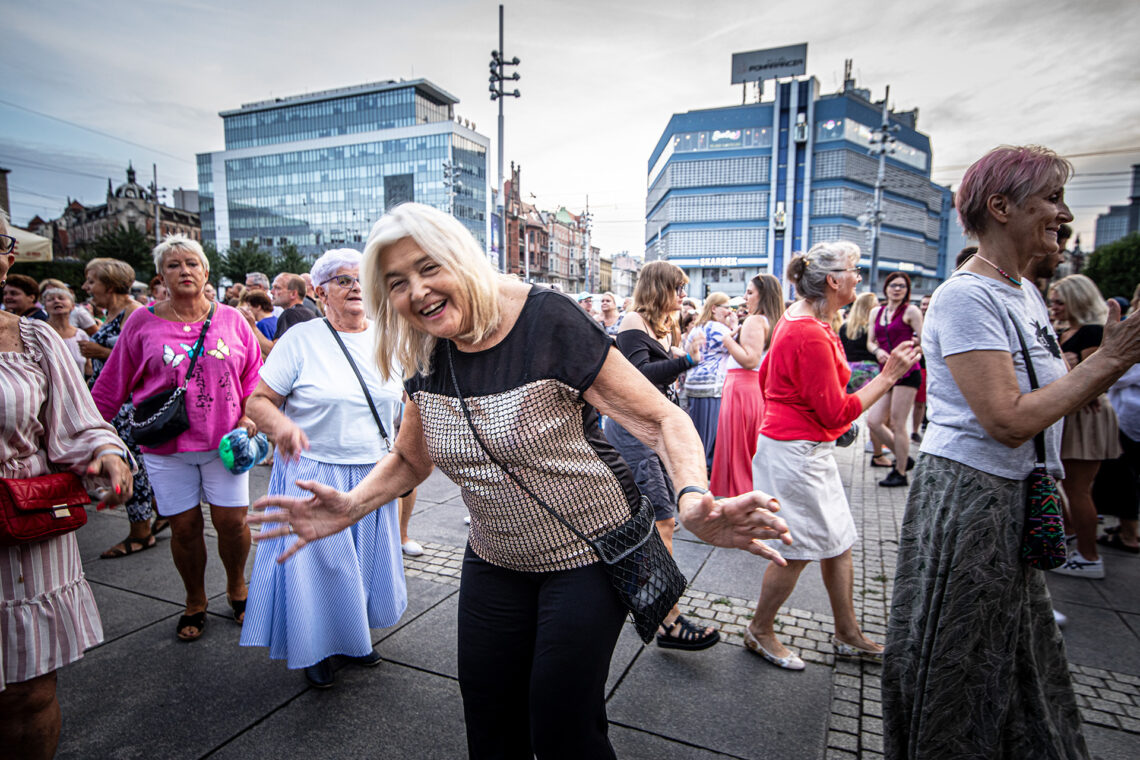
(661, 704)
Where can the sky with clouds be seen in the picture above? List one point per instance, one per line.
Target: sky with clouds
(86, 87)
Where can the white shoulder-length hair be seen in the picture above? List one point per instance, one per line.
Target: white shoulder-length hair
(449, 244)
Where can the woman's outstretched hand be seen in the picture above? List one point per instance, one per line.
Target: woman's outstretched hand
(901, 360)
(739, 522)
(326, 512)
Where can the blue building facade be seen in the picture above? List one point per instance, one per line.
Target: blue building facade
(317, 170)
(736, 191)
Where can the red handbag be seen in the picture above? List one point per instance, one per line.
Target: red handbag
(39, 508)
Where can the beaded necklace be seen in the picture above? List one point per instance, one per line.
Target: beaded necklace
(1000, 271)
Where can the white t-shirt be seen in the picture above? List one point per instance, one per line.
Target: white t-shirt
(81, 318)
(972, 313)
(323, 396)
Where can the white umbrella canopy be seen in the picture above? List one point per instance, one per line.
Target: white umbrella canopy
(30, 247)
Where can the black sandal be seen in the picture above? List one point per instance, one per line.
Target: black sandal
(238, 606)
(196, 620)
(684, 635)
(144, 544)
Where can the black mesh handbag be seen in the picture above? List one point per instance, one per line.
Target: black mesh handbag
(646, 577)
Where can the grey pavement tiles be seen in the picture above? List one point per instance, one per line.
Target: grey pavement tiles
(144, 694)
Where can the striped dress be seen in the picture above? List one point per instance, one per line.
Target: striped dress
(47, 612)
(324, 600)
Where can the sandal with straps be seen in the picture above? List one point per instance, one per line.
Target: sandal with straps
(684, 635)
(196, 621)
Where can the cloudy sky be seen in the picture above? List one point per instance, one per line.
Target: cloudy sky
(85, 87)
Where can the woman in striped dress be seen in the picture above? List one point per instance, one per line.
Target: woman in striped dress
(47, 612)
(312, 404)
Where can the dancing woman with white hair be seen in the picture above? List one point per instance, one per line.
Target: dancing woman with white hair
(312, 400)
(523, 371)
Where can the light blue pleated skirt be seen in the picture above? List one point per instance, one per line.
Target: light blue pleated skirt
(325, 598)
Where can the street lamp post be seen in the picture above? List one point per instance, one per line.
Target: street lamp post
(498, 76)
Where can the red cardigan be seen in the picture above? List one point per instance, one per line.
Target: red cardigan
(804, 380)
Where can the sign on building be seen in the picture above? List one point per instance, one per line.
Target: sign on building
(772, 63)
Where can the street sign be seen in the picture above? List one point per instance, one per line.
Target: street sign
(772, 63)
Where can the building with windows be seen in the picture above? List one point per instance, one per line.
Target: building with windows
(736, 191)
(318, 170)
(1120, 221)
(128, 205)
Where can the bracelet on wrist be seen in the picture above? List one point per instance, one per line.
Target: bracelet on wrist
(691, 489)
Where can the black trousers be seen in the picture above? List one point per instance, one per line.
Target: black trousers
(534, 653)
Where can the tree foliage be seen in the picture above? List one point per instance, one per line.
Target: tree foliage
(290, 259)
(245, 258)
(1115, 267)
(128, 244)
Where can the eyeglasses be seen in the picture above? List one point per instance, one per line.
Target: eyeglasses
(680, 290)
(7, 243)
(856, 270)
(346, 281)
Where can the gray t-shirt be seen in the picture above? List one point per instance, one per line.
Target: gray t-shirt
(972, 313)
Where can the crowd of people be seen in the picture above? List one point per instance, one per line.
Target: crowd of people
(558, 422)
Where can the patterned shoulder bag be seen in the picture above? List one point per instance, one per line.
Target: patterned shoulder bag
(1043, 539)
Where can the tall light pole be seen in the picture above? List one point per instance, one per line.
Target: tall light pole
(882, 143)
(451, 183)
(498, 76)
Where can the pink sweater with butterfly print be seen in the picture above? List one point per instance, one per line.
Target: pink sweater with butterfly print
(152, 355)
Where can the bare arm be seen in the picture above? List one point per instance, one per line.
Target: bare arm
(329, 511)
(621, 392)
(872, 344)
(988, 382)
(264, 408)
(913, 318)
(750, 347)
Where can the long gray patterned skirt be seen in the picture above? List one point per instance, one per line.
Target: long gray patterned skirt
(974, 666)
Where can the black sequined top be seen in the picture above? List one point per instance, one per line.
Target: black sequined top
(525, 397)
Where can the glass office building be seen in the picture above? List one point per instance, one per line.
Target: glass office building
(318, 170)
(736, 191)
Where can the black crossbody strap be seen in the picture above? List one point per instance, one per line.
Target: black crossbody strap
(1039, 439)
(495, 460)
(363, 386)
(198, 346)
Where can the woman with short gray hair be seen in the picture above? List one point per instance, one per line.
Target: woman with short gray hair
(153, 355)
(806, 409)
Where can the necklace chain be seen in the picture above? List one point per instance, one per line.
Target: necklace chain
(183, 319)
(1000, 271)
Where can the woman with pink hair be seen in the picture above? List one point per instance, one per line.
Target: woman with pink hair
(974, 663)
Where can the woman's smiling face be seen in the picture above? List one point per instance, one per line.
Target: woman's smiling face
(424, 293)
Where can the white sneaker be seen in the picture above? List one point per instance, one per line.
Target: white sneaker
(868, 446)
(1061, 618)
(467, 520)
(412, 548)
(1079, 567)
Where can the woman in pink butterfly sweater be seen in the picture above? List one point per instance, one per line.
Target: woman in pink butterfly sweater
(153, 354)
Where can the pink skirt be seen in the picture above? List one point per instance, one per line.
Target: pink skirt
(741, 411)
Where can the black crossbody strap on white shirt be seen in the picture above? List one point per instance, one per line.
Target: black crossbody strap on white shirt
(363, 386)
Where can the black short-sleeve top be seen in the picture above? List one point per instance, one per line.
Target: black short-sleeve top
(1086, 336)
(525, 398)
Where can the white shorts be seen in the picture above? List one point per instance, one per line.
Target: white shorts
(181, 481)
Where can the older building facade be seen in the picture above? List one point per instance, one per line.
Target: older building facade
(128, 205)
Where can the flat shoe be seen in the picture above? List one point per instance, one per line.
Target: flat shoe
(321, 675)
(1113, 541)
(876, 464)
(843, 649)
(196, 621)
(115, 552)
(370, 660)
(238, 607)
(791, 662)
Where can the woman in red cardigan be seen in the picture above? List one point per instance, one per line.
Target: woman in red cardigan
(807, 407)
